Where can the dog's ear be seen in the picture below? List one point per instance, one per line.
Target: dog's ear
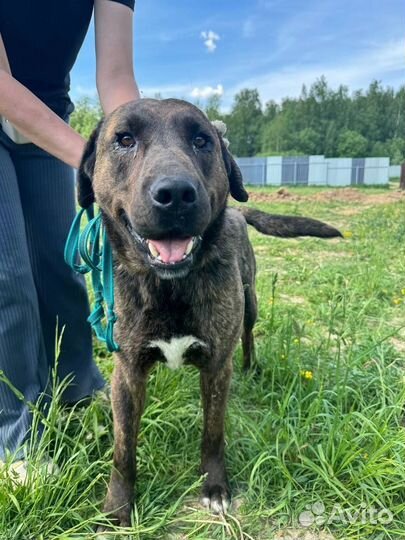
(85, 193)
(237, 190)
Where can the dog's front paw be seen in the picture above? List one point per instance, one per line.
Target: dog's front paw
(117, 513)
(104, 529)
(216, 497)
(117, 507)
(115, 521)
(119, 500)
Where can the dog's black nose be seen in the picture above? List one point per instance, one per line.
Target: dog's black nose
(173, 193)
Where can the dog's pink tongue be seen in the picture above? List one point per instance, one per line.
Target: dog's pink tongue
(171, 251)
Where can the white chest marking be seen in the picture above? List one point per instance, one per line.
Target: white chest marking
(174, 349)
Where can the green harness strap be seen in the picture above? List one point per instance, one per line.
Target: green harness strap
(84, 246)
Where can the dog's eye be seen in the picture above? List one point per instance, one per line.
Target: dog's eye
(200, 142)
(126, 140)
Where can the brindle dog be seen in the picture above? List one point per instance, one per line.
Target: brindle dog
(184, 269)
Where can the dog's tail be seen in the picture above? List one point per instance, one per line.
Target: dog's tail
(287, 226)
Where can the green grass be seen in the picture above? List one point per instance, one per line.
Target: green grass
(323, 423)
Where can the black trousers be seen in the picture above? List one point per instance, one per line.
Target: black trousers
(39, 294)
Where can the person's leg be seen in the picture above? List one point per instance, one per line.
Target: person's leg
(22, 352)
(48, 201)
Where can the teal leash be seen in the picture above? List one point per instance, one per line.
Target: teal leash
(90, 251)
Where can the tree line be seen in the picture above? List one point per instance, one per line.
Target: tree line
(321, 120)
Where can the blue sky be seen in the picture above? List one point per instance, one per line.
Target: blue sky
(192, 49)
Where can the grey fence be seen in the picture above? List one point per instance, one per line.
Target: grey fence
(314, 170)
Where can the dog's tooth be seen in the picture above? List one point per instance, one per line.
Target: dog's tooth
(189, 247)
(152, 248)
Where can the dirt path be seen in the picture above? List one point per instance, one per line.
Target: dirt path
(344, 195)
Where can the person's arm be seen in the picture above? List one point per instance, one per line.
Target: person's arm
(35, 120)
(114, 45)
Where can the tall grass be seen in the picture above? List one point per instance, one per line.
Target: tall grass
(322, 423)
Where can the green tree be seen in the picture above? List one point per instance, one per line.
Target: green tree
(276, 138)
(321, 120)
(271, 111)
(397, 150)
(308, 141)
(352, 144)
(379, 149)
(331, 140)
(213, 108)
(86, 116)
(244, 123)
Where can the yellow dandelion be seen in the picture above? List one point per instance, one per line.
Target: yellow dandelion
(307, 374)
(347, 234)
(403, 292)
(396, 301)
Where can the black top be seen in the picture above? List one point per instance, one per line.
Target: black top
(42, 39)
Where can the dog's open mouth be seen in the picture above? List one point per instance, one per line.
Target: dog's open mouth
(172, 250)
(172, 253)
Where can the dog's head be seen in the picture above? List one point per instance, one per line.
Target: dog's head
(161, 174)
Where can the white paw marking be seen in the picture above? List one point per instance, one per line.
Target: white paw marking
(174, 349)
(216, 506)
(206, 501)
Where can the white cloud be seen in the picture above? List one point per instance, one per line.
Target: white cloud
(210, 40)
(182, 91)
(206, 92)
(165, 91)
(385, 62)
